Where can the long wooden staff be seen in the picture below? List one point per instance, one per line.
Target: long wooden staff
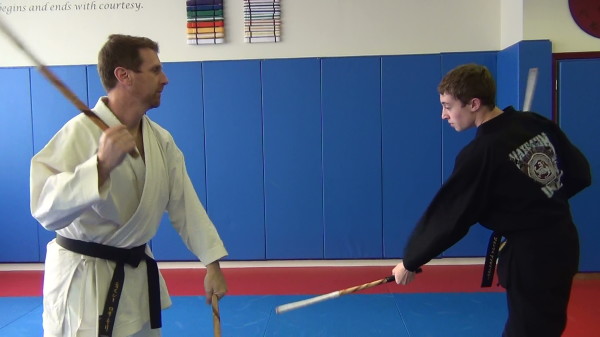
(216, 315)
(58, 84)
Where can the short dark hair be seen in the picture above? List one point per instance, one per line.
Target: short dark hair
(470, 81)
(121, 51)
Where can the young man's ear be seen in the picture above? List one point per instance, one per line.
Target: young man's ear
(475, 104)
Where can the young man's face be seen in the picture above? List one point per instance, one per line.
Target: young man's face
(460, 117)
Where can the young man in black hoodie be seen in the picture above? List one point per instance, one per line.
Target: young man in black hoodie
(516, 178)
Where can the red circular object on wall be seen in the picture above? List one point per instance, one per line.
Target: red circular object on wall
(586, 14)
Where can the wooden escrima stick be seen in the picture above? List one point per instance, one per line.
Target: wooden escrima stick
(216, 315)
(299, 304)
(58, 84)
(530, 88)
(52, 78)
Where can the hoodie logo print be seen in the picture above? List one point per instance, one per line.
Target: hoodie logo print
(537, 159)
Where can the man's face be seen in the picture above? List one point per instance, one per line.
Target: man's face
(149, 80)
(460, 117)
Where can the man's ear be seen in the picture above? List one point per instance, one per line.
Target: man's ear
(122, 75)
(475, 104)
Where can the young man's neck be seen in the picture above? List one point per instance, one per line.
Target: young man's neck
(487, 114)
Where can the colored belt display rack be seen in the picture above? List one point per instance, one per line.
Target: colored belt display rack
(121, 256)
(262, 21)
(205, 22)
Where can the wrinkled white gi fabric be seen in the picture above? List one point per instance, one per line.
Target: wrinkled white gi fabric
(125, 212)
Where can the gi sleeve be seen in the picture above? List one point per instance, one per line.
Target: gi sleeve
(188, 216)
(64, 177)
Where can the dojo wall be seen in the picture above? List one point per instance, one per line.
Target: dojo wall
(311, 28)
(301, 149)
(305, 158)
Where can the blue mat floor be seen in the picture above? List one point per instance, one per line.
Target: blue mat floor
(390, 315)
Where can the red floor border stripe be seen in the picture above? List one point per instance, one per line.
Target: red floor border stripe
(297, 280)
(319, 280)
(583, 307)
(582, 315)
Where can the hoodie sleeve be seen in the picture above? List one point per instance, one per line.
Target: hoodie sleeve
(453, 210)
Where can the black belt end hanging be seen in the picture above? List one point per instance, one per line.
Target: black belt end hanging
(491, 257)
(121, 256)
(106, 321)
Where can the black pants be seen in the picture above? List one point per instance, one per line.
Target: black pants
(537, 268)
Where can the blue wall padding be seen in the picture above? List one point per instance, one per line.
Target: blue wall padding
(292, 146)
(94, 85)
(50, 110)
(411, 144)
(507, 78)
(580, 117)
(537, 54)
(18, 230)
(234, 155)
(351, 105)
(181, 112)
(315, 158)
(514, 63)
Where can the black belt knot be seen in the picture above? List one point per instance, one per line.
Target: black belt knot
(121, 256)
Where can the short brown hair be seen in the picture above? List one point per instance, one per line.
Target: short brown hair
(121, 51)
(470, 81)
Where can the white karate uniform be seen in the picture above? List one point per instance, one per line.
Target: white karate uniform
(125, 212)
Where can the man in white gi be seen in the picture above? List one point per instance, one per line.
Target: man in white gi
(105, 204)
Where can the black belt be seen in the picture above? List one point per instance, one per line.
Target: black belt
(490, 259)
(132, 257)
